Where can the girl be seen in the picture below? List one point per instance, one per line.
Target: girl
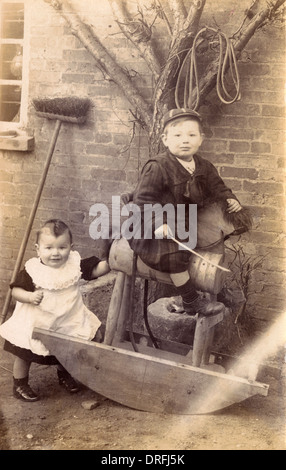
(48, 296)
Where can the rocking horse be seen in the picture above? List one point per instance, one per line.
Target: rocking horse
(130, 368)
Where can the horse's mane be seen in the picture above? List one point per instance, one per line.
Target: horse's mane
(241, 219)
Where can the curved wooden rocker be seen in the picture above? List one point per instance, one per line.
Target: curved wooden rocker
(148, 382)
(170, 379)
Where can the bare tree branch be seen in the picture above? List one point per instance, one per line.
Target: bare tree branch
(258, 20)
(105, 61)
(184, 30)
(164, 16)
(208, 81)
(144, 45)
(182, 42)
(179, 13)
(194, 14)
(178, 9)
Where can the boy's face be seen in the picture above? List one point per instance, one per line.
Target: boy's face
(53, 251)
(183, 138)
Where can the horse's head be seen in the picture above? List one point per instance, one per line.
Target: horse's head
(215, 224)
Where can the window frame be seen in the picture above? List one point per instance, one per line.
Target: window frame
(24, 82)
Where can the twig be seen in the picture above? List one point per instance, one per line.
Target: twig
(200, 256)
(8, 370)
(162, 11)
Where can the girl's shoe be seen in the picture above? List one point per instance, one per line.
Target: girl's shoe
(66, 381)
(23, 391)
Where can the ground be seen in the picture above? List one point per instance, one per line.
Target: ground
(60, 421)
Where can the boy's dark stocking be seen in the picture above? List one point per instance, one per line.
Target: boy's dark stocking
(193, 304)
(189, 295)
(23, 391)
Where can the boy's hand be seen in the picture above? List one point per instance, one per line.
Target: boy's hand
(36, 297)
(163, 231)
(233, 205)
(126, 198)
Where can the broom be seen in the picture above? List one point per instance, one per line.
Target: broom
(72, 110)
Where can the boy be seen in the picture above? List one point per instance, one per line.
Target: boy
(179, 176)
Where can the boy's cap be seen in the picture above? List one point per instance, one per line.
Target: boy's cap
(179, 112)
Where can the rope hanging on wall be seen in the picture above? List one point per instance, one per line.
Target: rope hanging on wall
(191, 81)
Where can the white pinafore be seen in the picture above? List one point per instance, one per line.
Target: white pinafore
(61, 309)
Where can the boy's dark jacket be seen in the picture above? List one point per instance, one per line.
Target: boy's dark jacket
(165, 181)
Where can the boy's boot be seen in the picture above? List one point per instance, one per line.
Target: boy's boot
(66, 381)
(23, 391)
(193, 304)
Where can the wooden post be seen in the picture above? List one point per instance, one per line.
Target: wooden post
(203, 338)
(114, 309)
(199, 342)
(209, 337)
(124, 310)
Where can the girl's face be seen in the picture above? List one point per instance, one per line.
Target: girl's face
(183, 139)
(53, 251)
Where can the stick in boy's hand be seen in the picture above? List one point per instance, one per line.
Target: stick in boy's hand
(164, 231)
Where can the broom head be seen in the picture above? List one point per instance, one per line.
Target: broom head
(69, 109)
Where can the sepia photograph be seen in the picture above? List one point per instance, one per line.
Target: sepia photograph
(142, 227)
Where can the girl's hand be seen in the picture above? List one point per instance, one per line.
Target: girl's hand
(101, 269)
(233, 206)
(36, 297)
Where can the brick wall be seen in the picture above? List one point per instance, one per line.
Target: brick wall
(99, 159)
(247, 144)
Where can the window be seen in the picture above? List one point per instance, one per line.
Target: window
(13, 75)
(12, 53)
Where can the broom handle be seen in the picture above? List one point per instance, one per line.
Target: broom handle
(31, 218)
(200, 256)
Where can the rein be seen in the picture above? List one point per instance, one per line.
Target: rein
(227, 59)
(236, 232)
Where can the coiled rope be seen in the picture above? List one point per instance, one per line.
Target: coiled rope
(226, 59)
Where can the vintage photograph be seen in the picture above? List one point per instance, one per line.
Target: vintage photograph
(142, 175)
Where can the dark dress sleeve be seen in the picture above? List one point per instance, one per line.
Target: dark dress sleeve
(23, 280)
(87, 265)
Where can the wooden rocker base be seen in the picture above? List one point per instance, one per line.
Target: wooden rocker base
(146, 381)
